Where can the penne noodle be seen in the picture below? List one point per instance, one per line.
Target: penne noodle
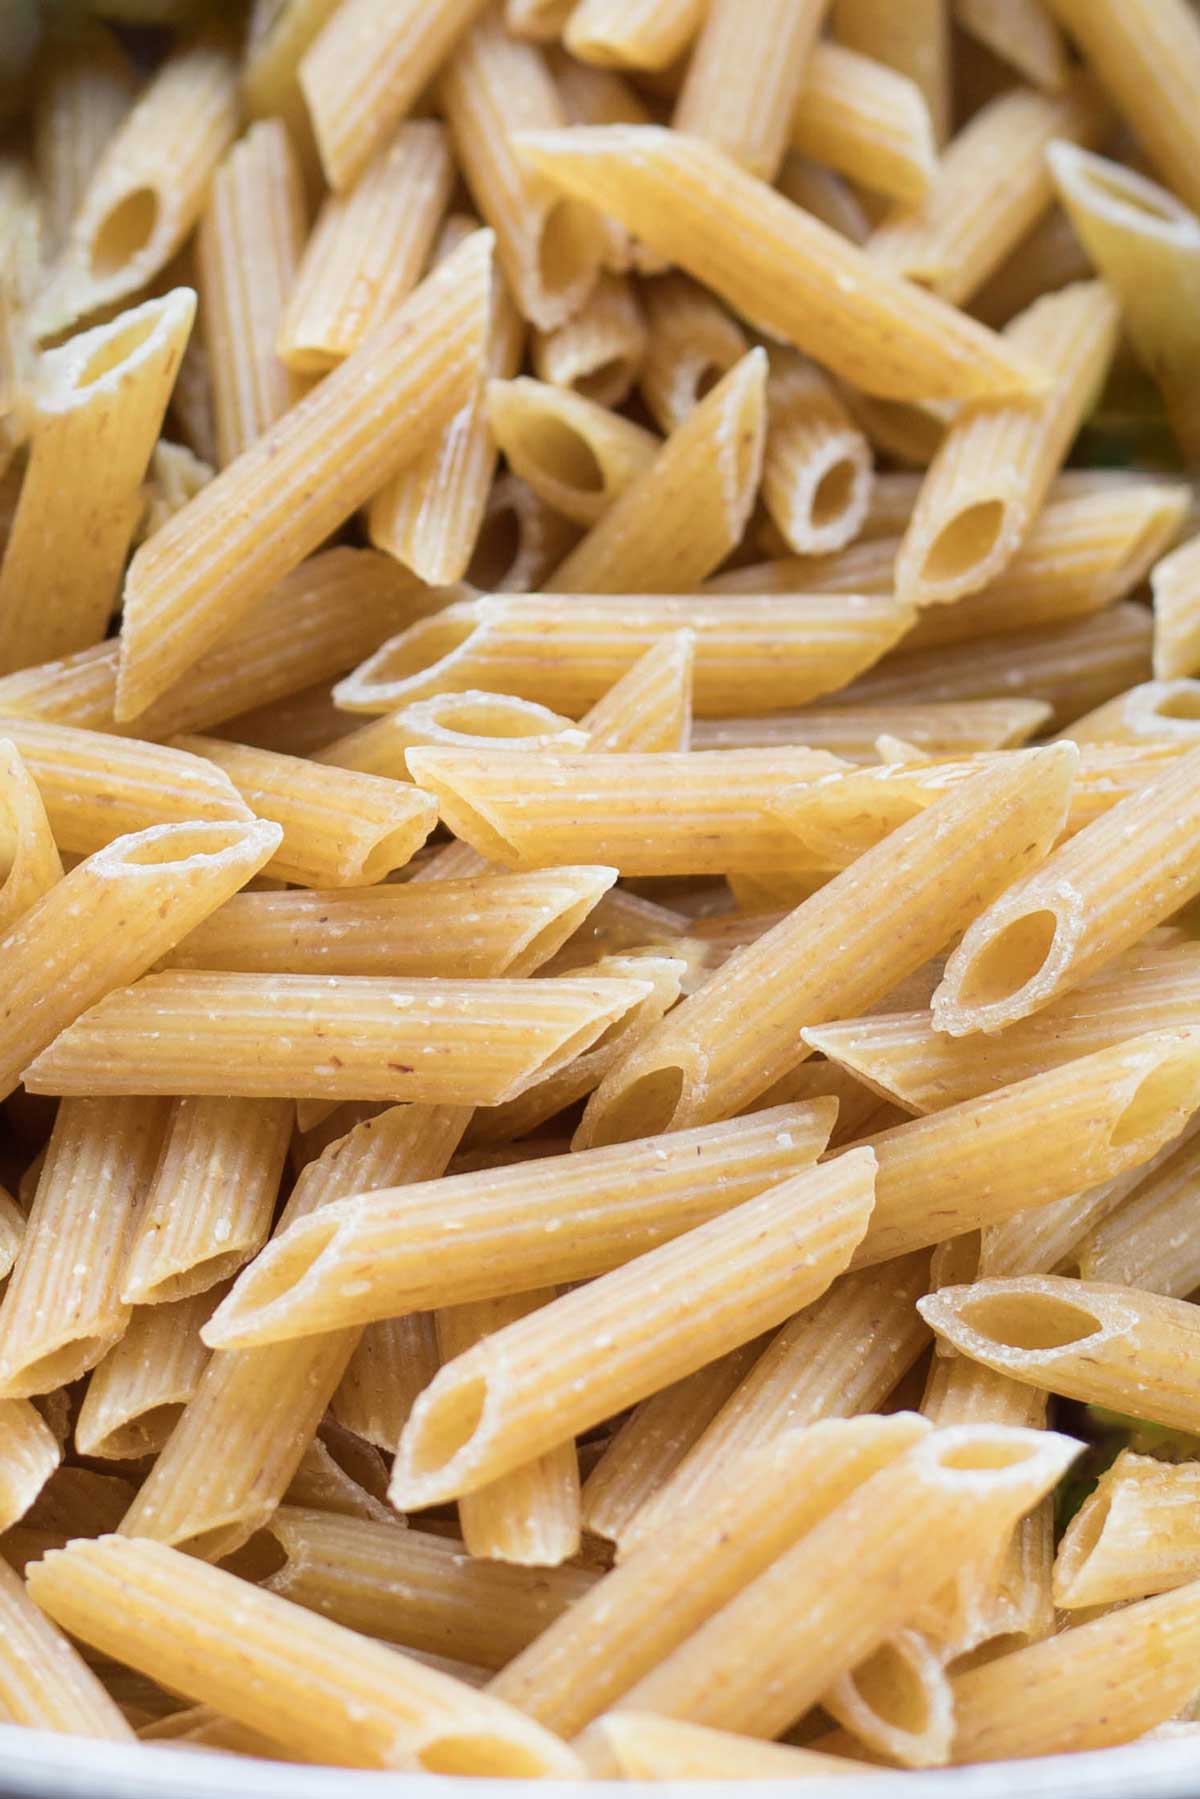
(85, 87)
(62, 1313)
(639, 1746)
(1134, 1535)
(211, 1201)
(31, 854)
(816, 476)
(538, 1382)
(738, 1032)
(45, 1684)
(647, 814)
(97, 407)
(599, 351)
(650, 707)
(577, 456)
(29, 1454)
(1021, 33)
(147, 188)
(331, 1036)
(12, 1220)
(340, 828)
(1105, 1345)
(1152, 712)
(991, 187)
(772, 262)
(1176, 585)
(1099, 893)
(749, 655)
(324, 1483)
(108, 920)
(136, 1395)
(1147, 54)
(333, 1697)
(938, 728)
(873, 123)
(245, 273)
(529, 1516)
(394, 1360)
(915, 40)
(451, 721)
(744, 77)
(1041, 1700)
(758, 1664)
(276, 39)
(692, 343)
(634, 34)
(417, 1590)
(367, 250)
(396, 389)
(549, 247)
(1146, 1239)
(520, 540)
(687, 509)
(996, 464)
(511, 1230)
(898, 1702)
(492, 925)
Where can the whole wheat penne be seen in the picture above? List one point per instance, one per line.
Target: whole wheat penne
(136, 1394)
(687, 509)
(577, 456)
(1151, 712)
(333, 1696)
(816, 477)
(936, 728)
(773, 263)
(332, 1036)
(693, 813)
(537, 1382)
(635, 34)
(530, 1515)
(367, 249)
(210, 1205)
(757, 1665)
(61, 1313)
(45, 1684)
(916, 41)
(1148, 57)
(279, 498)
(247, 252)
(599, 351)
(147, 189)
(1176, 585)
(645, 1452)
(744, 77)
(897, 1702)
(492, 925)
(825, 194)
(34, 864)
(97, 409)
(1146, 244)
(1107, 1345)
(1101, 891)
(692, 343)
(340, 828)
(276, 39)
(1042, 1699)
(110, 918)
(29, 1454)
(838, 1357)
(452, 721)
(573, 1217)
(739, 1031)
(1134, 1535)
(650, 707)
(242, 1436)
(906, 1059)
(657, 1598)
(995, 466)
(749, 655)
(1023, 34)
(395, 1358)
(328, 1482)
(640, 1746)
(1146, 1239)
(866, 119)
(85, 87)
(415, 1589)
(1111, 1111)
(991, 186)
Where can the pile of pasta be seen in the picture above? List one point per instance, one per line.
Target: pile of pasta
(600, 794)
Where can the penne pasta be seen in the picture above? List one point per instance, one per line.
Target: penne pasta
(1151, 712)
(687, 509)
(1133, 1536)
(1145, 1240)
(738, 1032)
(872, 122)
(650, 707)
(85, 87)
(635, 34)
(401, 384)
(577, 456)
(511, 1234)
(991, 187)
(61, 1314)
(937, 728)
(599, 351)
(367, 250)
(452, 721)
(745, 76)
(692, 343)
(897, 1703)
(31, 854)
(45, 1684)
(29, 1454)
(916, 41)
(333, 1697)
(688, 202)
(276, 39)
(245, 273)
(148, 187)
(816, 476)
(97, 408)
(1176, 584)
(520, 540)
(136, 1395)
(1022, 34)
(394, 1359)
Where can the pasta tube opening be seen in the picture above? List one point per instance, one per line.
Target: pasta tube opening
(446, 1424)
(1168, 1091)
(58, 1367)
(898, 1702)
(481, 1752)
(1011, 961)
(1101, 185)
(966, 547)
(182, 846)
(1179, 700)
(119, 348)
(646, 1107)
(1028, 1322)
(836, 491)
(566, 251)
(1079, 1543)
(124, 231)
